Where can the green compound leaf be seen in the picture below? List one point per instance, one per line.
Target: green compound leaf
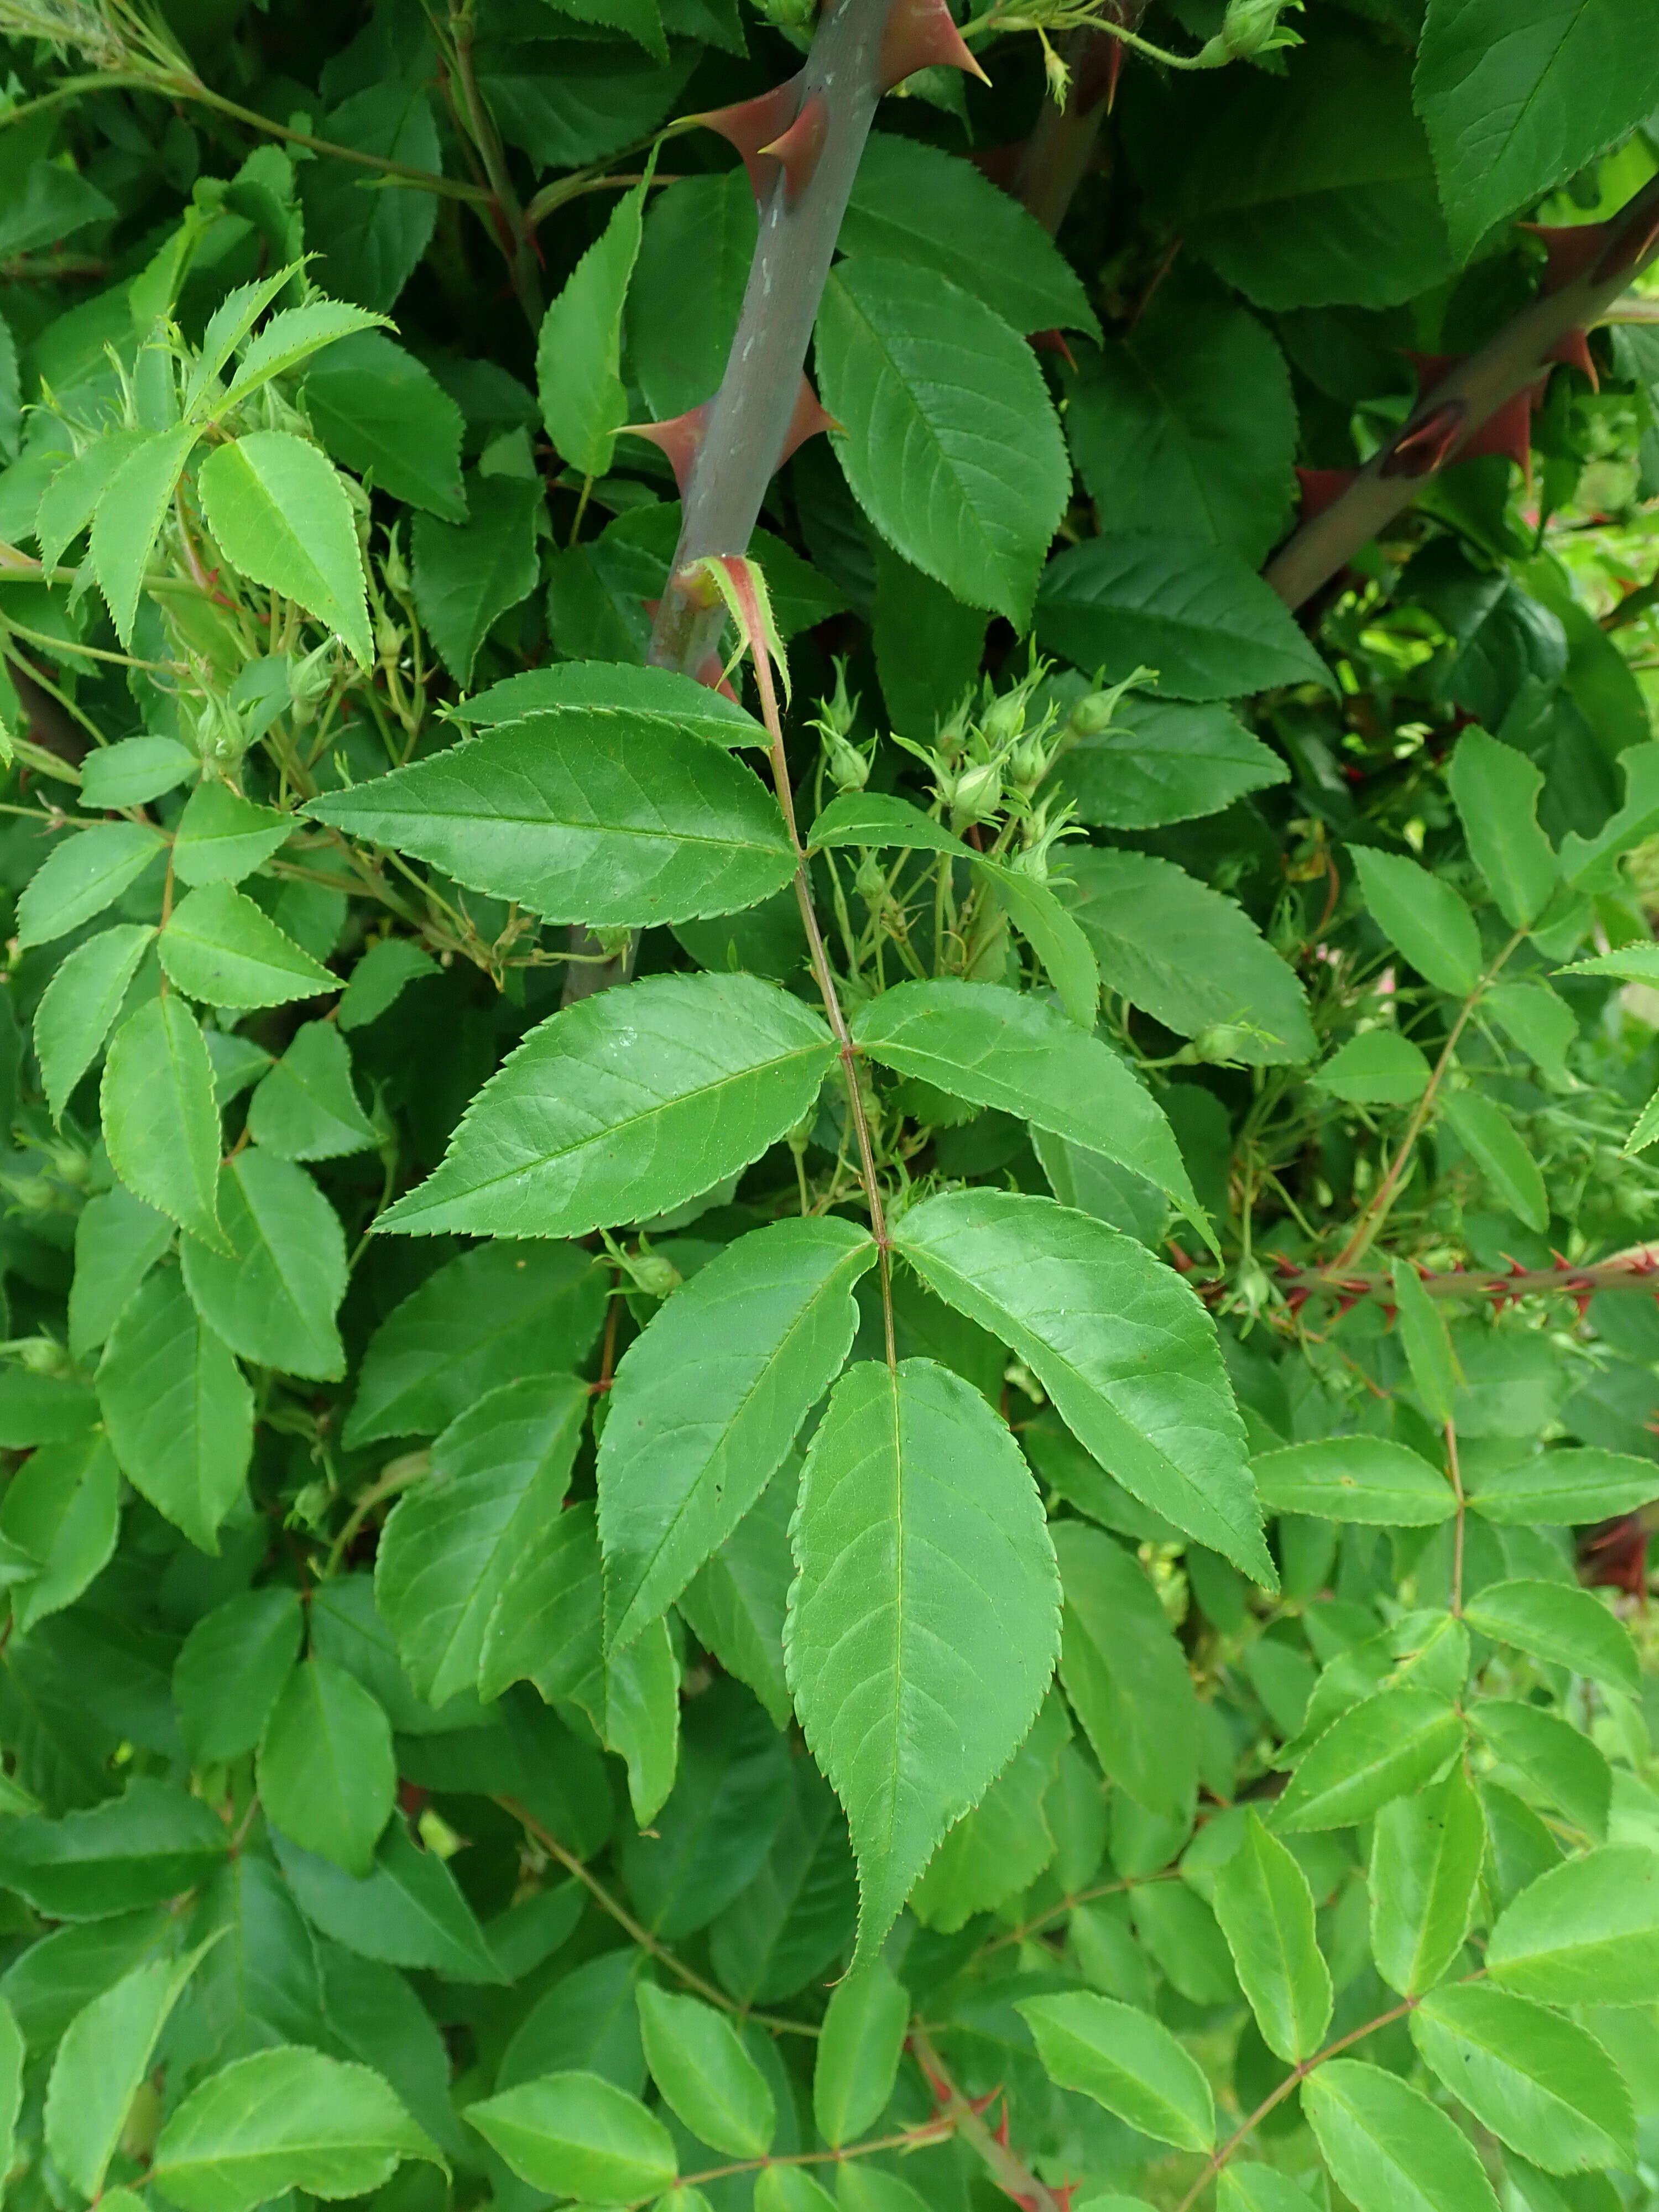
(230, 1670)
(623, 1106)
(1587, 1932)
(325, 1770)
(381, 412)
(140, 1849)
(1554, 1621)
(1426, 1853)
(282, 517)
(1085, 1306)
(273, 1296)
(80, 1004)
(223, 837)
(1001, 1049)
(220, 948)
(468, 575)
(707, 2078)
(1364, 1478)
(1126, 2061)
(499, 1472)
(949, 441)
(608, 821)
(178, 1412)
(63, 1511)
(1489, 1136)
(1388, 2149)
(576, 2134)
(1566, 1489)
(280, 2119)
(160, 1120)
(1542, 2085)
(1266, 1909)
(926, 1587)
(131, 508)
(1164, 760)
(709, 1400)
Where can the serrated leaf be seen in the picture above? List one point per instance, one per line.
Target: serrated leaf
(606, 821)
(1422, 917)
(326, 1771)
(1000, 1048)
(1266, 1909)
(130, 510)
(1379, 1067)
(1196, 612)
(1187, 423)
(1083, 1306)
(1125, 1673)
(1192, 958)
(1570, 1489)
(1426, 1853)
(1519, 94)
(1365, 1479)
(1570, 1627)
(734, 1604)
(79, 1004)
(624, 1105)
(384, 414)
(949, 438)
(1495, 789)
(857, 2060)
(307, 1108)
(594, 689)
(499, 1472)
(408, 1911)
(69, 501)
(1164, 760)
(280, 2119)
(103, 2058)
(687, 288)
(229, 323)
(79, 877)
(292, 335)
(548, 1623)
(220, 948)
(1562, 1765)
(62, 1510)
(223, 837)
(468, 575)
(1587, 1932)
(576, 2134)
(708, 1399)
(579, 351)
(1376, 1751)
(1486, 1133)
(160, 1120)
(915, 1452)
(1541, 2084)
(231, 1669)
(1126, 2061)
(141, 1848)
(178, 1412)
(914, 202)
(707, 2078)
(273, 1296)
(1422, 1332)
(282, 518)
(1388, 2147)
(117, 1239)
(492, 1315)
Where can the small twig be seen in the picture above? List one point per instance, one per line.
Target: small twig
(1010, 2172)
(624, 1919)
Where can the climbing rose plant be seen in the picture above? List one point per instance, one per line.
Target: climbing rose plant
(829, 1048)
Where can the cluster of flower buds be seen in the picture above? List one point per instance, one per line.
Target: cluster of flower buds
(846, 765)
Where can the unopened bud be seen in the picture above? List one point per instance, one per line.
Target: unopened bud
(847, 764)
(1004, 719)
(976, 793)
(1092, 716)
(1222, 1043)
(40, 1355)
(654, 1275)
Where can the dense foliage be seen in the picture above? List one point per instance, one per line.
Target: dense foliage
(884, 1428)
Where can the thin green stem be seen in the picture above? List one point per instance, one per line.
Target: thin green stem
(1456, 1476)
